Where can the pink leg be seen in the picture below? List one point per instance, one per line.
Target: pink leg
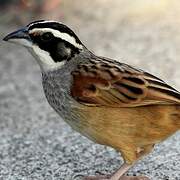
(118, 175)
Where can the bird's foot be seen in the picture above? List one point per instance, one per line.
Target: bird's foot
(108, 177)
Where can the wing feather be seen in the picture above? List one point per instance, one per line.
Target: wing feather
(119, 85)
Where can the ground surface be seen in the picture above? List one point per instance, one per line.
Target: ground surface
(35, 144)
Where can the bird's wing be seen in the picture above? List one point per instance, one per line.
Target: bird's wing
(107, 83)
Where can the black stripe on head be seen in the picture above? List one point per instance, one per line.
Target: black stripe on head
(58, 49)
(54, 25)
(57, 46)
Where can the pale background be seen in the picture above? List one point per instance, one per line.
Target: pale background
(35, 144)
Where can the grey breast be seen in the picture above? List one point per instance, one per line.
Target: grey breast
(57, 89)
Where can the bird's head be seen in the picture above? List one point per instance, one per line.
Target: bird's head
(52, 43)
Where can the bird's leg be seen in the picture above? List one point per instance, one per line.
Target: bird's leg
(123, 169)
(118, 175)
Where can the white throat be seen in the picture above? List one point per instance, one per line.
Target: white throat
(44, 59)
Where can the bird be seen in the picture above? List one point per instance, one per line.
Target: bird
(108, 101)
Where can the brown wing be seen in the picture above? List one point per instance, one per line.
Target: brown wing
(107, 83)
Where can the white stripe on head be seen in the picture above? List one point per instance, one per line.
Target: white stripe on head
(64, 36)
(42, 22)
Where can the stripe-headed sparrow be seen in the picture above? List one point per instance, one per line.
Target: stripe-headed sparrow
(111, 103)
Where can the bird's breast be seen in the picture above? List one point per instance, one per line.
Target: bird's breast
(57, 94)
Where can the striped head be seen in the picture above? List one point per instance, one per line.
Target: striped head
(52, 43)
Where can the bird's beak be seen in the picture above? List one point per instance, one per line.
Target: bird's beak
(20, 36)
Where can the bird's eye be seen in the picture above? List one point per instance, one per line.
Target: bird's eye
(46, 36)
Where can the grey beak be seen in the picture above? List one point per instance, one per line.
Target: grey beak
(19, 34)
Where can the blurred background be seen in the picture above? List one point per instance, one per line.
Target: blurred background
(34, 142)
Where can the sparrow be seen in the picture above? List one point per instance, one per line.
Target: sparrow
(109, 102)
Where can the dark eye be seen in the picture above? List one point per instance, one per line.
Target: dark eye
(46, 36)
